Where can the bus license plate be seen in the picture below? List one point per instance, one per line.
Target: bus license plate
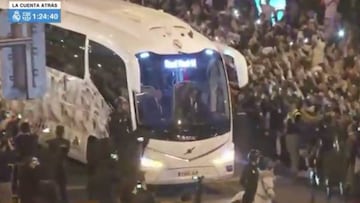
(188, 173)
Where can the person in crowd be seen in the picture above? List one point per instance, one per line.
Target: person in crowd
(107, 176)
(119, 123)
(246, 7)
(219, 5)
(268, 11)
(331, 16)
(7, 158)
(92, 161)
(293, 131)
(250, 176)
(277, 117)
(293, 12)
(29, 180)
(59, 148)
(48, 187)
(344, 7)
(128, 148)
(192, 103)
(26, 142)
(12, 126)
(327, 136)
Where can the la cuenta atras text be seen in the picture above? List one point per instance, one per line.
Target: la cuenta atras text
(34, 5)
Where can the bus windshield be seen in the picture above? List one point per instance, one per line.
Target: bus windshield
(183, 97)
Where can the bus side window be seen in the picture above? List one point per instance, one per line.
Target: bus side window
(230, 69)
(65, 50)
(108, 72)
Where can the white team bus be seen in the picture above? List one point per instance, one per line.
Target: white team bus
(172, 76)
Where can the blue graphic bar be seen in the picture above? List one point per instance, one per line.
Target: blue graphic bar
(34, 15)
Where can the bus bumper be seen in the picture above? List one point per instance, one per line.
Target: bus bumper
(173, 176)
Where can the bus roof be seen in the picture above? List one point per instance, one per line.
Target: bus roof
(152, 30)
(128, 13)
(143, 29)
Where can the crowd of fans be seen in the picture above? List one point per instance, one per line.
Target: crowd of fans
(28, 172)
(307, 61)
(32, 171)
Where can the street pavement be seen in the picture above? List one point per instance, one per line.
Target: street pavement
(287, 190)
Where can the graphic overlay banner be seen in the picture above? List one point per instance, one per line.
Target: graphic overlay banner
(34, 12)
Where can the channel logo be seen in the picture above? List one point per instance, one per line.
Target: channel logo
(34, 12)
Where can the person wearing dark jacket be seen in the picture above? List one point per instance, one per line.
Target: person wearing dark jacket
(7, 157)
(48, 189)
(12, 127)
(292, 143)
(105, 178)
(26, 142)
(93, 159)
(127, 147)
(119, 125)
(277, 116)
(250, 176)
(59, 147)
(130, 169)
(29, 179)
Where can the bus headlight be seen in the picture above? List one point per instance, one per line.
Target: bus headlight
(148, 163)
(227, 156)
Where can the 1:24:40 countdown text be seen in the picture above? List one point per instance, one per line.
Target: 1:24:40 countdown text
(45, 16)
